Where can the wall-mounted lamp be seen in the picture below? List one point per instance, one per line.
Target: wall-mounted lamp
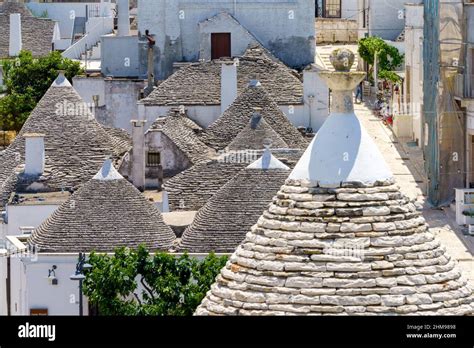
(52, 276)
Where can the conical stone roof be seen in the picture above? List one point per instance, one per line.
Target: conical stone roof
(224, 130)
(340, 240)
(256, 135)
(106, 213)
(222, 224)
(76, 145)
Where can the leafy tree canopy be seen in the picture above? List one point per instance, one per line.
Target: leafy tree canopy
(133, 282)
(389, 58)
(27, 79)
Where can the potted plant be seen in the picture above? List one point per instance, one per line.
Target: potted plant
(469, 214)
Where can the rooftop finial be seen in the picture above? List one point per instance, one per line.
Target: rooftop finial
(61, 80)
(268, 161)
(342, 59)
(108, 172)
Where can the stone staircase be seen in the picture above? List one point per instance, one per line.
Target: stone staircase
(92, 53)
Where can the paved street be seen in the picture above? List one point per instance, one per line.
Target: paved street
(407, 165)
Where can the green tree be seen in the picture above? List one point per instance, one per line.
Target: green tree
(389, 58)
(133, 282)
(27, 79)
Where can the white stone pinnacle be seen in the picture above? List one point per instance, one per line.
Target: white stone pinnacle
(108, 172)
(268, 161)
(61, 81)
(342, 151)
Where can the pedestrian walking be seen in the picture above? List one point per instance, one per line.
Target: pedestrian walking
(359, 94)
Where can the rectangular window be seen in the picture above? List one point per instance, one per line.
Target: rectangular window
(153, 159)
(319, 8)
(332, 8)
(220, 45)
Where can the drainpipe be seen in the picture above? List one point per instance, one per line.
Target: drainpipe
(311, 102)
(9, 287)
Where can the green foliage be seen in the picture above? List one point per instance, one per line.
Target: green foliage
(27, 79)
(171, 285)
(469, 213)
(14, 111)
(389, 58)
(389, 76)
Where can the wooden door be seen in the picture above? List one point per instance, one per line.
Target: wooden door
(220, 45)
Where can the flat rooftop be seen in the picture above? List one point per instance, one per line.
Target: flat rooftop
(44, 198)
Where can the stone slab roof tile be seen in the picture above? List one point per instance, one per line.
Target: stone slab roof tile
(256, 135)
(37, 33)
(76, 145)
(184, 133)
(350, 244)
(106, 213)
(200, 83)
(222, 223)
(191, 189)
(224, 130)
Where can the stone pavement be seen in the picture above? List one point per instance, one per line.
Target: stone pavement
(407, 165)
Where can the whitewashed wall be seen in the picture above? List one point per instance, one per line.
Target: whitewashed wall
(27, 215)
(3, 287)
(414, 64)
(65, 13)
(61, 299)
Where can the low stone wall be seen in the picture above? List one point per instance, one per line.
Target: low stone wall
(336, 30)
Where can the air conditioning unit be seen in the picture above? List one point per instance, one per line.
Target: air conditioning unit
(26, 230)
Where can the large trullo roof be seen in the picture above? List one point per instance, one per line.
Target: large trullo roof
(339, 241)
(222, 223)
(76, 145)
(106, 213)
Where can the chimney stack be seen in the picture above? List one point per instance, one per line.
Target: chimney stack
(123, 21)
(34, 153)
(228, 84)
(138, 154)
(15, 35)
(316, 98)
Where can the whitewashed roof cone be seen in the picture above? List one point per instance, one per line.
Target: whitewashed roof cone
(267, 161)
(61, 80)
(342, 152)
(340, 240)
(108, 172)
